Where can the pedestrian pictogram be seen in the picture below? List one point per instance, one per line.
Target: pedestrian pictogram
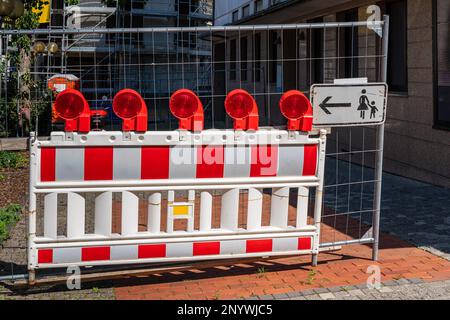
(348, 104)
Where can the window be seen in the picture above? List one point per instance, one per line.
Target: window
(259, 5)
(316, 53)
(244, 59)
(442, 63)
(235, 16)
(273, 55)
(233, 59)
(397, 60)
(348, 46)
(245, 11)
(257, 64)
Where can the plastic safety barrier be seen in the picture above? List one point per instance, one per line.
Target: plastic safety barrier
(191, 194)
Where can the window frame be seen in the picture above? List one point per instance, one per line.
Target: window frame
(233, 14)
(403, 90)
(437, 124)
(233, 58)
(246, 7)
(255, 6)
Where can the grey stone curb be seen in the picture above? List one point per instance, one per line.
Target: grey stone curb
(318, 291)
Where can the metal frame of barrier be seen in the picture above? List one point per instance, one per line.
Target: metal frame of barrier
(296, 160)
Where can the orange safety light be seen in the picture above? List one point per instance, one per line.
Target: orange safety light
(296, 107)
(188, 109)
(71, 106)
(131, 108)
(241, 106)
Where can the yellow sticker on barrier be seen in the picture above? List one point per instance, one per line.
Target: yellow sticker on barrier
(182, 210)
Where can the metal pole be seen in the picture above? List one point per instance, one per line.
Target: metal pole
(380, 146)
(319, 194)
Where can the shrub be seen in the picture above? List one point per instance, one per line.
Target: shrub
(9, 215)
(12, 160)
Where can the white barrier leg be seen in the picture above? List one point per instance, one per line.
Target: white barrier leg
(130, 213)
(154, 213)
(170, 200)
(103, 214)
(230, 209)
(254, 212)
(51, 215)
(205, 211)
(302, 207)
(75, 215)
(190, 222)
(279, 207)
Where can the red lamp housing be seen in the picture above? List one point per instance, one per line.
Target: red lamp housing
(241, 106)
(71, 106)
(297, 108)
(188, 109)
(131, 108)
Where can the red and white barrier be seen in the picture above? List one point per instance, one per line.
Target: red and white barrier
(208, 179)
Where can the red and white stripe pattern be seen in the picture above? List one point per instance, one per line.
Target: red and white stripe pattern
(160, 251)
(185, 162)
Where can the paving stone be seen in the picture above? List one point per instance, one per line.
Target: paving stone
(356, 292)
(321, 290)
(362, 286)
(307, 292)
(294, 294)
(266, 297)
(280, 296)
(415, 281)
(390, 283)
(298, 298)
(327, 296)
(335, 289)
(402, 281)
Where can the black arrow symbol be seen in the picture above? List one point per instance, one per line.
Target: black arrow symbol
(325, 105)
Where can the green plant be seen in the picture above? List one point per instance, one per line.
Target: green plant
(9, 215)
(311, 277)
(13, 160)
(261, 271)
(95, 290)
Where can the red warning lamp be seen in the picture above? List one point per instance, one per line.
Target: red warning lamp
(131, 108)
(241, 106)
(296, 107)
(71, 106)
(187, 107)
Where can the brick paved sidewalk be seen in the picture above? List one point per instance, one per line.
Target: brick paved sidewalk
(278, 277)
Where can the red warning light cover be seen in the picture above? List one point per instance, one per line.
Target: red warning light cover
(187, 107)
(241, 106)
(296, 107)
(131, 108)
(71, 106)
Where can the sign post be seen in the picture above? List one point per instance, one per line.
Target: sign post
(336, 105)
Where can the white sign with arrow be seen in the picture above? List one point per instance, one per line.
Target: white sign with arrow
(348, 104)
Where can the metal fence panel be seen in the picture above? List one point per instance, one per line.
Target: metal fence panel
(266, 60)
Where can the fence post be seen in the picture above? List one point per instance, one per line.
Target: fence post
(31, 254)
(318, 205)
(379, 148)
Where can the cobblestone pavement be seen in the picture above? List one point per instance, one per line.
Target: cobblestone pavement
(411, 210)
(412, 289)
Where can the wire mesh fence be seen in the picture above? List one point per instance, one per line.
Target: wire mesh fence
(265, 60)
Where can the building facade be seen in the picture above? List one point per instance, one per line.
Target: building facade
(417, 137)
(106, 62)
